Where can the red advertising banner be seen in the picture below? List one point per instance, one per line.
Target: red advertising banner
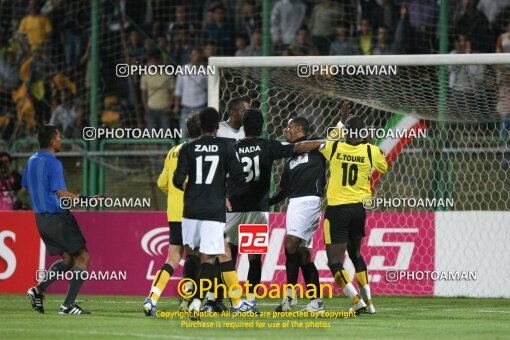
(19, 251)
(131, 246)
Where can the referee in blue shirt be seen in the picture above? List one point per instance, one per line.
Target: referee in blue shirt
(43, 177)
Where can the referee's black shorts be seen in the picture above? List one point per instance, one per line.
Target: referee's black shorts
(344, 223)
(175, 233)
(60, 233)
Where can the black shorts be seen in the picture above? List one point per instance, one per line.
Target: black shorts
(60, 233)
(344, 223)
(175, 233)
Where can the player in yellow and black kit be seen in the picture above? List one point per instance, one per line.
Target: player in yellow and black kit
(350, 165)
(174, 213)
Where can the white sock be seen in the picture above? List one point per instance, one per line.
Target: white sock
(365, 290)
(210, 296)
(195, 305)
(350, 291)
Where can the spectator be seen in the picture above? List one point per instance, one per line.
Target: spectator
(424, 19)
(10, 184)
(135, 46)
(210, 50)
(343, 44)
(9, 77)
(80, 122)
(324, 18)
(465, 81)
(365, 37)
(475, 25)
(36, 27)
(241, 46)
(163, 49)
(220, 31)
(388, 15)
(302, 44)
(503, 43)
(180, 24)
(492, 9)
(190, 92)
(38, 71)
(251, 19)
(156, 96)
(255, 47)
(181, 49)
(287, 17)
(64, 116)
(385, 45)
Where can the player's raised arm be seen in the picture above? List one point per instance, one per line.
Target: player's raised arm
(182, 170)
(379, 160)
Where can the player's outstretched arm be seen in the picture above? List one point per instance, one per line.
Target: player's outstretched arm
(308, 145)
(182, 170)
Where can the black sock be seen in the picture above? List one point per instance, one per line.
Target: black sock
(206, 273)
(233, 251)
(217, 275)
(56, 268)
(311, 276)
(254, 273)
(292, 267)
(75, 285)
(191, 267)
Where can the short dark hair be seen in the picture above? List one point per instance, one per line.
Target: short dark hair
(302, 123)
(5, 154)
(354, 126)
(235, 104)
(253, 122)
(209, 119)
(45, 134)
(193, 125)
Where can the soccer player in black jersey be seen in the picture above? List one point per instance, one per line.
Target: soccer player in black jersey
(303, 182)
(251, 207)
(202, 172)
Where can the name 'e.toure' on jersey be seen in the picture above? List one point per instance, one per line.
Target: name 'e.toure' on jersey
(350, 168)
(206, 162)
(257, 156)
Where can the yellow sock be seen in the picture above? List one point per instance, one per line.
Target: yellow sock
(158, 285)
(362, 278)
(342, 278)
(231, 280)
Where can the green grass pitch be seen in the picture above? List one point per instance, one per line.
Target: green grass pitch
(122, 317)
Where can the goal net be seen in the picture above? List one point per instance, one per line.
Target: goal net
(446, 193)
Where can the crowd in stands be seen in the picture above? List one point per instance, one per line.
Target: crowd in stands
(46, 60)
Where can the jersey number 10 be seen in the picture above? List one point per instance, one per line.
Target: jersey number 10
(349, 174)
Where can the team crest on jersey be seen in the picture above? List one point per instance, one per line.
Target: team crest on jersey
(299, 160)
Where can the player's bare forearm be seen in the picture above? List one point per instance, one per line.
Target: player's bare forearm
(65, 193)
(307, 146)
